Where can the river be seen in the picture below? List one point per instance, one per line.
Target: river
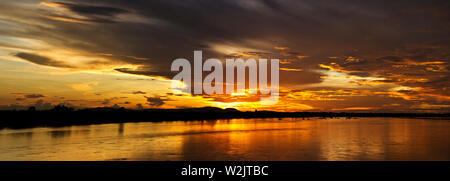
(236, 139)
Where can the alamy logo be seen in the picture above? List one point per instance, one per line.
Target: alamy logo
(213, 83)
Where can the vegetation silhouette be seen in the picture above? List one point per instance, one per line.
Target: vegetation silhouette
(65, 116)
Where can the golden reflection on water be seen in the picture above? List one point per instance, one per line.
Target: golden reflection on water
(236, 139)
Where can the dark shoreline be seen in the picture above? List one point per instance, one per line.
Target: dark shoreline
(68, 117)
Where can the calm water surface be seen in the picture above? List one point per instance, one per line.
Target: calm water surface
(236, 139)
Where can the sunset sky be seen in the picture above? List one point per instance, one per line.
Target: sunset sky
(345, 56)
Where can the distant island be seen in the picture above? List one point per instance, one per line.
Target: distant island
(65, 116)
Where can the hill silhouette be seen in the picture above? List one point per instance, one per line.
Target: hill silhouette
(64, 116)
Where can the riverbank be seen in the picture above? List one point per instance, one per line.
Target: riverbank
(67, 117)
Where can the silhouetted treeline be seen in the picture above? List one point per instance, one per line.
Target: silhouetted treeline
(64, 116)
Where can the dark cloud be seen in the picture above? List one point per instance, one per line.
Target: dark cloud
(89, 13)
(79, 20)
(92, 9)
(145, 72)
(139, 92)
(39, 105)
(312, 28)
(108, 101)
(32, 96)
(27, 96)
(155, 101)
(41, 60)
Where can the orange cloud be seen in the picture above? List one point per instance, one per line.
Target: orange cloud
(137, 58)
(355, 108)
(83, 86)
(51, 4)
(71, 20)
(301, 56)
(291, 69)
(280, 48)
(335, 67)
(285, 61)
